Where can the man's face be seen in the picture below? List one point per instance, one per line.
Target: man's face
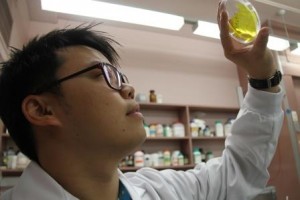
(96, 118)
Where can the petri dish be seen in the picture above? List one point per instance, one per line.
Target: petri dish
(244, 22)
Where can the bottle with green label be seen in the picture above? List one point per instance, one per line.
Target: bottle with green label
(197, 156)
(219, 128)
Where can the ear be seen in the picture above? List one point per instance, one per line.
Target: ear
(37, 111)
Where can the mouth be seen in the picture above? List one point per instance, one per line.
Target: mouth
(134, 110)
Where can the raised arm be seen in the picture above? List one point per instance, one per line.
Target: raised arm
(241, 172)
(256, 59)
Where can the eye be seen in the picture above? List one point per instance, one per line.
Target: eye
(99, 74)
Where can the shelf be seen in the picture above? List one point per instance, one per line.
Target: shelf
(208, 138)
(213, 109)
(4, 188)
(166, 138)
(4, 135)
(182, 167)
(164, 106)
(161, 106)
(185, 138)
(11, 172)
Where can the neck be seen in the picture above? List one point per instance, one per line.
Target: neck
(85, 178)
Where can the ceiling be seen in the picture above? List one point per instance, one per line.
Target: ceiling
(191, 10)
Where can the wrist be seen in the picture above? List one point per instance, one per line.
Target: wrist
(269, 83)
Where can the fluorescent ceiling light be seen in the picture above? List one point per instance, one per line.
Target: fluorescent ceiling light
(207, 29)
(278, 44)
(114, 12)
(296, 50)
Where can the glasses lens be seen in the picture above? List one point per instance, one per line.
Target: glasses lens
(124, 79)
(113, 76)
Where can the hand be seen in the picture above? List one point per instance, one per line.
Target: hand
(255, 58)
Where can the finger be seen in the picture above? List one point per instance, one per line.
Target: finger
(261, 41)
(221, 7)
(224, 33)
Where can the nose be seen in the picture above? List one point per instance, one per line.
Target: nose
(127, 91)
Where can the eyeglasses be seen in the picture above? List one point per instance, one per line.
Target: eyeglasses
(113, 77)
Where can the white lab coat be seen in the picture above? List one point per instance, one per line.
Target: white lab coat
(240, 174)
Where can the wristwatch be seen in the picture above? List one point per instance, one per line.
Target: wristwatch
(266, 83)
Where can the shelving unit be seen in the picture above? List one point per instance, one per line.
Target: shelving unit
(183, 167)
(5, 142)
(167, 114)
(11, 172)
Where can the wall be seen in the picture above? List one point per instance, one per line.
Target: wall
(17, 10)
(20, 17)
(17, 39)
(183, 70)
(297, 90)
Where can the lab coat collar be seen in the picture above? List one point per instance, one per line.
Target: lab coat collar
(135, 192)
(35, 183)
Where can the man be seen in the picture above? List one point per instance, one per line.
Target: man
(72, 112)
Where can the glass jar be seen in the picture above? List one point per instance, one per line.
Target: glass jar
(209, 155)
(167, 158)
(178, 129)
(197, 156)
(159, 130)
(219, 129)
(167, 131)
(147, 130)
(194, 129)
(180, 159)
(139, 159)
(152, 96)
(152, 130)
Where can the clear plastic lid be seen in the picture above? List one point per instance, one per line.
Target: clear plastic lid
(244, 22)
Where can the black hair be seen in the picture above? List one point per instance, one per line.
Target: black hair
(36, 65)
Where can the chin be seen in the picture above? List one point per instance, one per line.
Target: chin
(143, 137)
(133, 143)
(140, 137)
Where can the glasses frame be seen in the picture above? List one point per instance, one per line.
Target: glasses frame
(121, 78)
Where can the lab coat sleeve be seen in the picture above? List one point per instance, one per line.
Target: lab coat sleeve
(241, 172)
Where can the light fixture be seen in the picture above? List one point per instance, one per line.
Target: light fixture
(207, 29)
(295, 48)
(114, 12)
(277, 44)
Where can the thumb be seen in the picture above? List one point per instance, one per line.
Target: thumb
(261, 41)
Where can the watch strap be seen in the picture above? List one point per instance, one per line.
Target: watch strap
(266, 83)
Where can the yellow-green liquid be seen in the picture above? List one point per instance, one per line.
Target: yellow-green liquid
(243, 24)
